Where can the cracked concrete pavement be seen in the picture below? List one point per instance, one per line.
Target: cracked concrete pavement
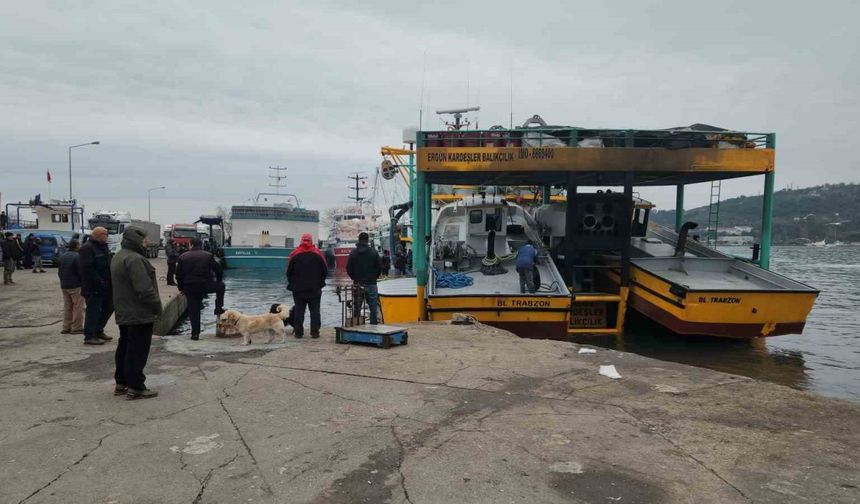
(461, 414)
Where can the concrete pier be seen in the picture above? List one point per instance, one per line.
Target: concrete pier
(460, 414)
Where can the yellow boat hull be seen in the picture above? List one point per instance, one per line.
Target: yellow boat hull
(721, 313)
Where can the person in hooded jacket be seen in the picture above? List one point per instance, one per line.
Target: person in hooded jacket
(306, 272)
(172, 258)
(364, 267)
(137, 304)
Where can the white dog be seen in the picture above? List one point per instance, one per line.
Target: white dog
(272, 323)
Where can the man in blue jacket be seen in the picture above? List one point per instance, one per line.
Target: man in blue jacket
(526, 263)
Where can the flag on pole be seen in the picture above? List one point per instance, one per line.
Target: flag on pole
(49, 176)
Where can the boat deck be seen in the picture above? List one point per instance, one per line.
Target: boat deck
(704, 273)
(504, 284)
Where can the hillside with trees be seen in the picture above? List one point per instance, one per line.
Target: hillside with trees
(829, 212)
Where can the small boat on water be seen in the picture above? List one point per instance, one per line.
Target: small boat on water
(346, 222)
(264, 234)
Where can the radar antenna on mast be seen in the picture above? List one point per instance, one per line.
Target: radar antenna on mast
(359, 185)
(276, 175)
(458, 115)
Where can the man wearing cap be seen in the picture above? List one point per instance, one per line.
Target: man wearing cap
(12, 253)
(306, 272)
(364, 267)
(198, 273)
(94, 260)
(135, 296)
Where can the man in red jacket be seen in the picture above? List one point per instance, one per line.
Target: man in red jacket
(306, 272)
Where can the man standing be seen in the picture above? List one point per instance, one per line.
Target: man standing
(36, 254)
(306, 272)
(364, 267)
(94, 259)
(135, 295)
(12, 252)
(69, 272)
(386, 262)
(172, 258)
(197, 274)
(526, 257)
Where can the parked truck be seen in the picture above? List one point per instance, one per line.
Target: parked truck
(116, 222)
(181, 234)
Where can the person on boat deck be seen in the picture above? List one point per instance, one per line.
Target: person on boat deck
(364, 266)
(526, 263)
(198, 273)
(306, 272)
(386, 262)
(400, 260)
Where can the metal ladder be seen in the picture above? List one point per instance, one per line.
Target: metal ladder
(714, 214)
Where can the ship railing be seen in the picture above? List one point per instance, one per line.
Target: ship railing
(679, 138)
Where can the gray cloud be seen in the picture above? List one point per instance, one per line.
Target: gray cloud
(203, 96)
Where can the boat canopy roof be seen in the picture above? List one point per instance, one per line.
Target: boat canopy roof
(555, 155)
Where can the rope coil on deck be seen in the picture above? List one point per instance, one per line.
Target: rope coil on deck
(449, 280)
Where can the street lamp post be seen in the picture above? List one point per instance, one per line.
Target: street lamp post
(70, 165)
(149, 198)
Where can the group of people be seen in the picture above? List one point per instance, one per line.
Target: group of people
(20, 254)
(96, 286)
(306, 273)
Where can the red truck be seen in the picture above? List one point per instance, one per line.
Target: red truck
(182, 234)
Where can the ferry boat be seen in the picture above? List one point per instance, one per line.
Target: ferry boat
(264, 234)
(61, 217)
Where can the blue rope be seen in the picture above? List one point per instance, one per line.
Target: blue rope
(447, 280)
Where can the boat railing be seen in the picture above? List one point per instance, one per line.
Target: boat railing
(676, 138)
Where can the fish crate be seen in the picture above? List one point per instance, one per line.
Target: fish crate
(380, 335)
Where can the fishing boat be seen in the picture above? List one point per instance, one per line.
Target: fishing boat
(473, 255)
(693, 289)
(264, 234)
(609, 255)
(346, 222)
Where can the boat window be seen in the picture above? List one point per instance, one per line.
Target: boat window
(55, 217)
(476, 216)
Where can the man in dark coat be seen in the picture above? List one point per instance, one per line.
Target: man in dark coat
(306, 272)
(69, 271)
(172, 258)
(135, 295)
(95, 259)
(198, 273)
(386, 262)
(12, 253)
(364, 267)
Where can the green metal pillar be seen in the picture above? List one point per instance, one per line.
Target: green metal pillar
(412, 189)
(767, 210)
(419, 242)
(547, 194)
(679, 207)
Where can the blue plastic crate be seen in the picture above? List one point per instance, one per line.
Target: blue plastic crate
(382, 336)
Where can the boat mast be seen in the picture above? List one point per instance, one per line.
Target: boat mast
(358, 181)
(276, 175)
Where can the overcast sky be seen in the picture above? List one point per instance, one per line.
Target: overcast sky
(203, 96)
